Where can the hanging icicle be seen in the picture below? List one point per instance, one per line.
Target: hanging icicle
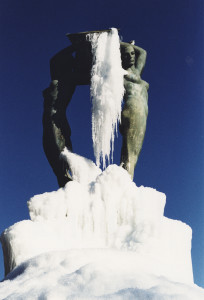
(107, 92)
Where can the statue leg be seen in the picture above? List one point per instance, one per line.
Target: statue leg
(56, 129)
(132, 128)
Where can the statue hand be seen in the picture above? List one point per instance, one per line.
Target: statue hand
(53, 88)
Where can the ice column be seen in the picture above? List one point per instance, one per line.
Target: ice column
(107, 92)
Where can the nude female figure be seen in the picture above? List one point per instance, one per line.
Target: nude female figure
(135, 110)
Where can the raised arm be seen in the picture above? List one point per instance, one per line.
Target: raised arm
(141, 58)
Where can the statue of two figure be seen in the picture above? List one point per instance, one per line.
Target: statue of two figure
(68, 71)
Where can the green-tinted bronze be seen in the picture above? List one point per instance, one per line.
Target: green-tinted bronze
(56, 129)
(68, 68)
(71, 67)
(135, 110)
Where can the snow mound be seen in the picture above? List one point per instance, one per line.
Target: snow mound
(99, 237)
(91, 274)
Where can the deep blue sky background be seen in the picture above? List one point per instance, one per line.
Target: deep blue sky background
(172, 156)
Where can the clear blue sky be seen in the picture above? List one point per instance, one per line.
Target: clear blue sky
(172, 156)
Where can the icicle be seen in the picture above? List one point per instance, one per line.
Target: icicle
(107, 92)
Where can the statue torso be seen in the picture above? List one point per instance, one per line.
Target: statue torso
(135, 90)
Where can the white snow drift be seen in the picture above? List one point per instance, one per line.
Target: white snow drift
(100, 238)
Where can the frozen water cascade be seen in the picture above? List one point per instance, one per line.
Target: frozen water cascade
(82, 169)
(107, 92)
(98, 238)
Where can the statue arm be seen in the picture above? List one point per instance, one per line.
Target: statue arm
(61, 64)
(141, 60)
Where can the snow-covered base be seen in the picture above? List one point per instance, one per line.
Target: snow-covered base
(99, 236)
(92, 274)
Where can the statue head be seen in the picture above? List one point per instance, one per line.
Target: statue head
(127, 55)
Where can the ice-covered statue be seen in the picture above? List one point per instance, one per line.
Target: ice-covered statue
(100, 236)
(113, 70)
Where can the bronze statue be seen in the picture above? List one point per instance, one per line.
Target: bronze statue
(135, 110)
(56, 129)
(67, 72)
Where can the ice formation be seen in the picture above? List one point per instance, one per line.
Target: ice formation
(83, 170)
(100, 237)
(106, 92)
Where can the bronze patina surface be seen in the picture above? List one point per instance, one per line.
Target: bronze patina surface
(71, 67)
